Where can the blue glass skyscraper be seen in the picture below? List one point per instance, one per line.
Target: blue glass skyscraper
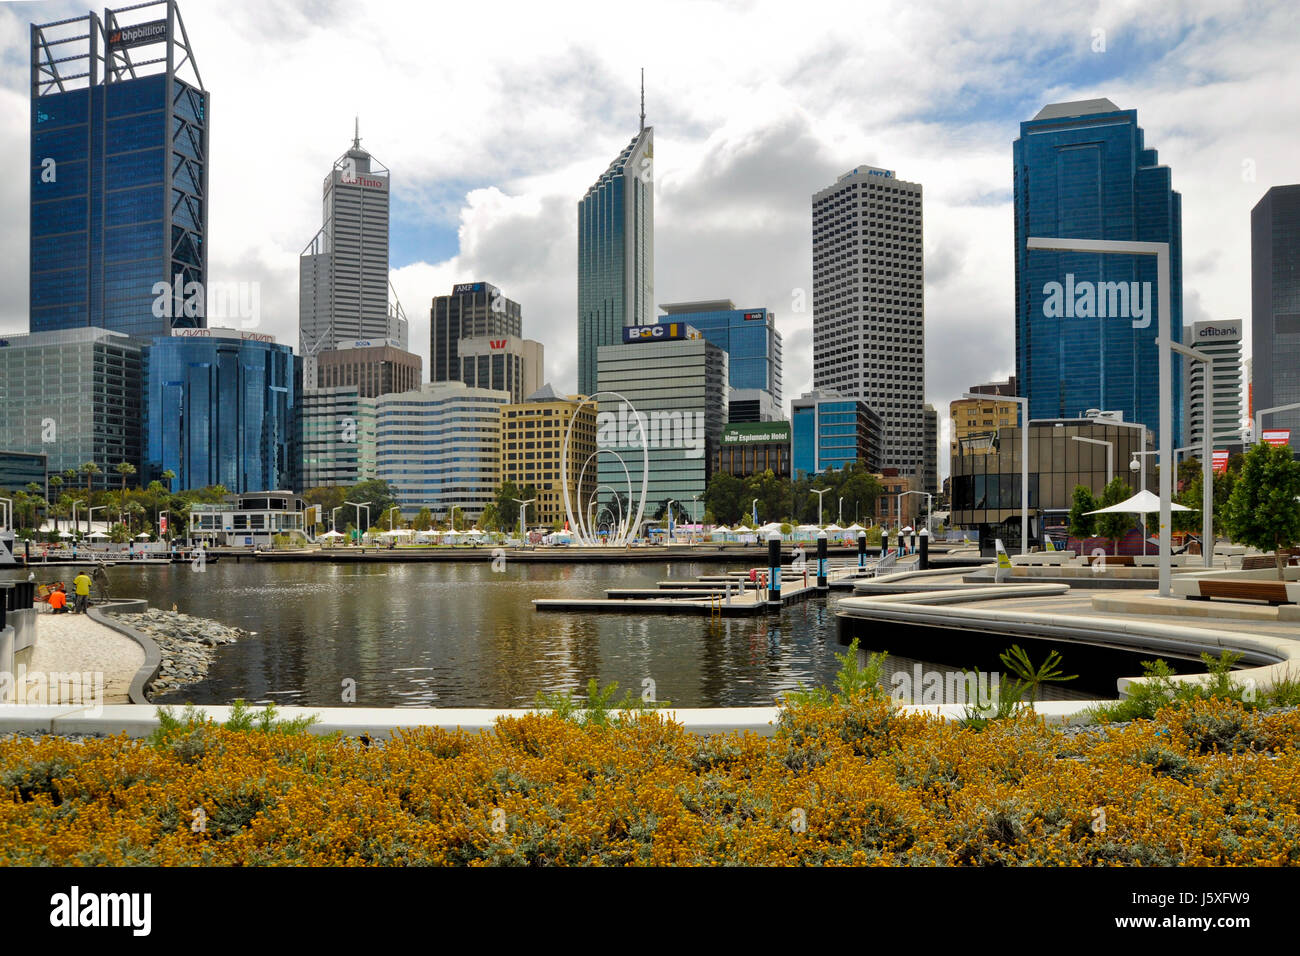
(219, 410)
(119, 174)
(1086, 324)
(748, 336)
(616, 267)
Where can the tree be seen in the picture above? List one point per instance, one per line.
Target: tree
(1114, 526)
(1082, 524)
(56, 483)
(90, 470)
(423, 520)
(168, 476)
(1262, 511)
(489, 520)
(126, 470)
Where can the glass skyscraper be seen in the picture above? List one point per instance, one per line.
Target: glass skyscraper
(748, 336)
(473, 310)
(830, 431)
(1275, 306)
(219, 410)
(616, 265)
(119, 174)
(1086, 324)
(74, 395)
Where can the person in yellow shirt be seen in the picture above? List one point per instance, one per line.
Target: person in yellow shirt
(82, 584)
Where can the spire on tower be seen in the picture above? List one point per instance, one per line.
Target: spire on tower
(356, 134)
(643, 99)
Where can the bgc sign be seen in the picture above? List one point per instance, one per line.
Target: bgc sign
(658, 333)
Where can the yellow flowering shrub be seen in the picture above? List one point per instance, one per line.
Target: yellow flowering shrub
(849, 783)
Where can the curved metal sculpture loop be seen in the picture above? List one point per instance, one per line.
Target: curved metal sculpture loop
(630, 524)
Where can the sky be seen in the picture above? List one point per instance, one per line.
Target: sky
(494, 118)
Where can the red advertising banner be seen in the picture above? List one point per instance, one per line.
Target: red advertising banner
(1276, 436)
(1219, 462)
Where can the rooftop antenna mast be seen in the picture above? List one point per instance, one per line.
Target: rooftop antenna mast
(356, 134)
(643, 99)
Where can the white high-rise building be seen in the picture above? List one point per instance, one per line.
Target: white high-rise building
(1222, 341)
(869, 304)
(344, 294)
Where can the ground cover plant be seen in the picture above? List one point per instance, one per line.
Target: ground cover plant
(846, 778)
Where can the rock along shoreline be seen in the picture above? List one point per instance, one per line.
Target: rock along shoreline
(188, 646)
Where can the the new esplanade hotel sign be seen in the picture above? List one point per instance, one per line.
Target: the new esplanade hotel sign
(155, 31)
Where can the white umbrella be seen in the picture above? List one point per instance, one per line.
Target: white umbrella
(65, 534)
(332, 534)
(143, 534)
(722, 529)
(907, 530)
(832, 528)
(855, 528)
(1142, 503)
(97, 534)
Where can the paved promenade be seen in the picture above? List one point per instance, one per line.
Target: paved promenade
(67, 643)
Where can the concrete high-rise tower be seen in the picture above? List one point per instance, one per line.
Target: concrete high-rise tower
(344, 295)
(616, 259)
(869, 304)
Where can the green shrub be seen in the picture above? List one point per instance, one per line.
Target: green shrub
(599, 709)
(852, 681)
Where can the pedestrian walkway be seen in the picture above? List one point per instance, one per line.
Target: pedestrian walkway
(73, 643)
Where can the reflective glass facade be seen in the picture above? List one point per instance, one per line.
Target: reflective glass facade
(73, 395)
(615, 254)
(750, 339)
(220, 410)
(118, 183)
(1275, 305)
(831, 431)
(1083, 171)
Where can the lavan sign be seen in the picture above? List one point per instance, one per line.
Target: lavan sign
(1098, 300)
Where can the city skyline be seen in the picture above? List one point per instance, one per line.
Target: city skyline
(737, 158)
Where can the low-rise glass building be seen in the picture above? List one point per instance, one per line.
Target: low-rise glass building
(220, 408)
(829, 431)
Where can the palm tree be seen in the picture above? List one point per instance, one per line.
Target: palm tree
(90, 470)
(125, 469)
(169, 476)
(56, 482)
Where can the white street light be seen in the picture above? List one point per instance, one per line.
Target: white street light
(359, 505)
(523, 510)
(928, 501)
(1207, 449)
(1161, 252)
(840, 519)
(1259, 418)
(1024, 460)
(819, 492)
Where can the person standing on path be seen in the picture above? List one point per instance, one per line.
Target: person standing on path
(82, 584)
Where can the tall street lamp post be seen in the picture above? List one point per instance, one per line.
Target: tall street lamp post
(1163, 337)
(819, 492)
(523, 510)
(1207, 448)
(1110, 454)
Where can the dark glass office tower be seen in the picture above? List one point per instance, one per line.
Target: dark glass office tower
(1275, 305)
(473, 310)
(748, 336)
(1086, 324)
(616, 266)
(119, 174)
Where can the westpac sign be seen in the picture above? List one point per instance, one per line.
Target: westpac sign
(1098, 300)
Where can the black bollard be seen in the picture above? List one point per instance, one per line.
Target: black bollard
(821, 562)
(924, 564)
(774, 570)
(862, 550)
